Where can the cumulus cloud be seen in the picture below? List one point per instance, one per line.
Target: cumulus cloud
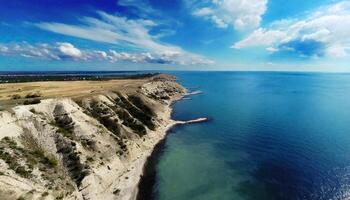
(69, 50)
(322, 33)
(241, 14)
(66, 51)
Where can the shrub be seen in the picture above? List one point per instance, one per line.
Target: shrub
(103, 115)
(136, 112)
(21, 170)
(33, 95)
(14, 165)
(44, 194)
(90, 159)
(50, 161)
(129, 121)
(117, 191)
(32, 110)
(71, 160)
(65, 132)
(64, 122)
(31, 101)
(16, 96)
(88, 143)
(11, 143)
(138, 102)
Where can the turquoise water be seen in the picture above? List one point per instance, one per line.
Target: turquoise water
(283, 136)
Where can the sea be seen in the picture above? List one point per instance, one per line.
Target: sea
(270, 136)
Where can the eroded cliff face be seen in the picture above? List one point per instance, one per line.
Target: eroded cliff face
(88, 148)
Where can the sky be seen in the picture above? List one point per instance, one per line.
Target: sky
(248, 35)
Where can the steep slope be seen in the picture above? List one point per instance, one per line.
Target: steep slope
(87, 148)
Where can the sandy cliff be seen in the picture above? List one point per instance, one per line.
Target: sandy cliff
(93, 147)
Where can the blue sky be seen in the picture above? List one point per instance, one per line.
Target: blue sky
(277, 35)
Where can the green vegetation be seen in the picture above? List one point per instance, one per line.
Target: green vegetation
(68, 133)
(135, 111)
(77, 77)
(32, 110)
(71, 160)
(47, 160)
(23, 160)
(103, 115)
(33, 95)
(122, 145)
(116, 192)
(31, 101)
(111, 124)
(90, 159)
(16, 96)
(64, 123)
(12, 159)
(10, 142)
(13, 154)
(138, 102)
(88, 143)
(44, 194)
(130, 122)
(59, 197)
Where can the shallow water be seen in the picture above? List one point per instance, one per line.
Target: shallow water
(271, 136)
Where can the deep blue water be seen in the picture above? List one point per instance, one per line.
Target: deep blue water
(283, 136)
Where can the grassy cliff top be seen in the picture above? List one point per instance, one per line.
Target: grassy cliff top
(26, 92)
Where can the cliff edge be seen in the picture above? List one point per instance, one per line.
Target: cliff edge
(85, 147)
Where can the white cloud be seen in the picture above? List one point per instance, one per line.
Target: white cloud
(260, 37)
(337, 51)
(3, 49)
(90, 33)
(133, 34)
(29, 51)
(111, 29)
(67, 51)
(241, 14)
(271, 49)
(329, 25)
(203, 12)
(219, 22)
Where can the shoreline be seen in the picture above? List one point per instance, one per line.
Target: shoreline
(141, 162)
(170, 124)
(108, 176)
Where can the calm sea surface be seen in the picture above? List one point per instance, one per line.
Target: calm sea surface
(283, 136)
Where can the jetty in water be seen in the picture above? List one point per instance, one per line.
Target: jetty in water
(198, 120)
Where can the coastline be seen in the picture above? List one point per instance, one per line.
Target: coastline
(164, 131)
(143, 161)
(161, 132)
(104, 144)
